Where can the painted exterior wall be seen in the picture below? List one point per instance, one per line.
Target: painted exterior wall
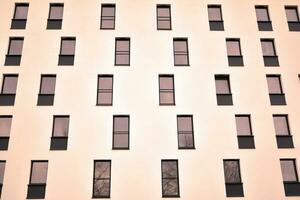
(136, 173)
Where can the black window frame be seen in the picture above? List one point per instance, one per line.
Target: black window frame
(121, 132)
(103, 17)
(219, 6)
(4, 140)
(293, 7)
(19, 23)
(1, 183)
(59, 142)
(166, 90)
(103, 90)
(41, 83)
(280, 84)
(55, 5)
(9, 45)
(185, 132)
(163, 18)
(3, 82)
(180, 53)
(176, 178)
(38, 189)
(102, 196)
(122, 52)
(234, 189)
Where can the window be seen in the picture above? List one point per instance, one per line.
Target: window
(215, 18)
(263, 19)
(234, 53)
(181, 53)
(122, 52)
(67, 51)
(102, 179)
(55, 17)
(292, 18)
(166, 90)
(233, 181)
(14, 52)
(105, 90)
(170, 178)
(224, 96)
(163, 17)
(2, 169)
(276, 94)
(5, 126)
(185, 132)
(290, 177)
(38, 180)
(121, 132)
(20, 16)
(282, 130)
(244, 132)
(108, 12)
(9, 88)
(59, 139)
(269, 53)
(47, 90)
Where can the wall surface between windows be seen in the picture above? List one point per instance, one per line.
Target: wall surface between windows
(136, 173)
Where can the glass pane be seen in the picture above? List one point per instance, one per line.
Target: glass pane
(180, 46)
(222, 86)
(56, 12)
(68, 47)
(169, 169)
(268, 48)
(291, 14)
(165, 24)
(186, 140)
(101, 188)
(166, 98)
(121, 124)
(233, 48)
(166, 83)
(214, 14)
(21, 12)
(121, 141)
(288, 170)
(181, 60)
(170, 187)
(163, 12)
(105, 82)
(122, 59)
(102, 169)
(281, 125)
(61, 126)
(10, 85)
(243, 125)
(107, 23)
(5, 126)
(48, 85)
(108, 11)
(262, 14)
(2, 169)
(39, 172)
(185, 123)
(274, 85)
(105, 98)
(232, 172)
(122, 45)
(15, 47)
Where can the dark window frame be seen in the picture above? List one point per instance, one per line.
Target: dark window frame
(166, 90)
(122, 52)
(121, 132)
(61, 42)
(235, 40)
(177, 178)
(295, 168)
(99, 90)
(224, 77)
(273, 45)
(185, 132)
(41, 83)
(3, 82)
(31, 167)
(103, 17)
(55, 5)
(293, 7)
(280, 84)
(163, 18)
(219, 6)
(287, 123)
(239, 169)
(104, 196)
(53, 125)
(23, 4)
(180, 53)
(249, 120)
(9, 45)
(266, 7)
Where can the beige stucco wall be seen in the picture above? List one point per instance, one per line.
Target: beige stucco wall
(153, 135)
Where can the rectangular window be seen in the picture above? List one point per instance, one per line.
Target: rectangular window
(20, 16)
(233, 181)
(5, 126)
(292, 18)
(290, 177)
(47, 90)
(14, 52)
(55, 17)
(2, 170)
(121, 132)
(102, 179)
(215, 18)
(234, 53)
(166, 90)
(59, 139)
(67, 51)
(263, 18)
(9, 88)
(105, 90)
(282, 130)
(276, 94)
(108, 12)
(269, 52)
(244, 132)
(224, 96)
(163, 17)
(170, 178)
(185, 132)
(38, 180)
(122, 51)
(181, 53)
